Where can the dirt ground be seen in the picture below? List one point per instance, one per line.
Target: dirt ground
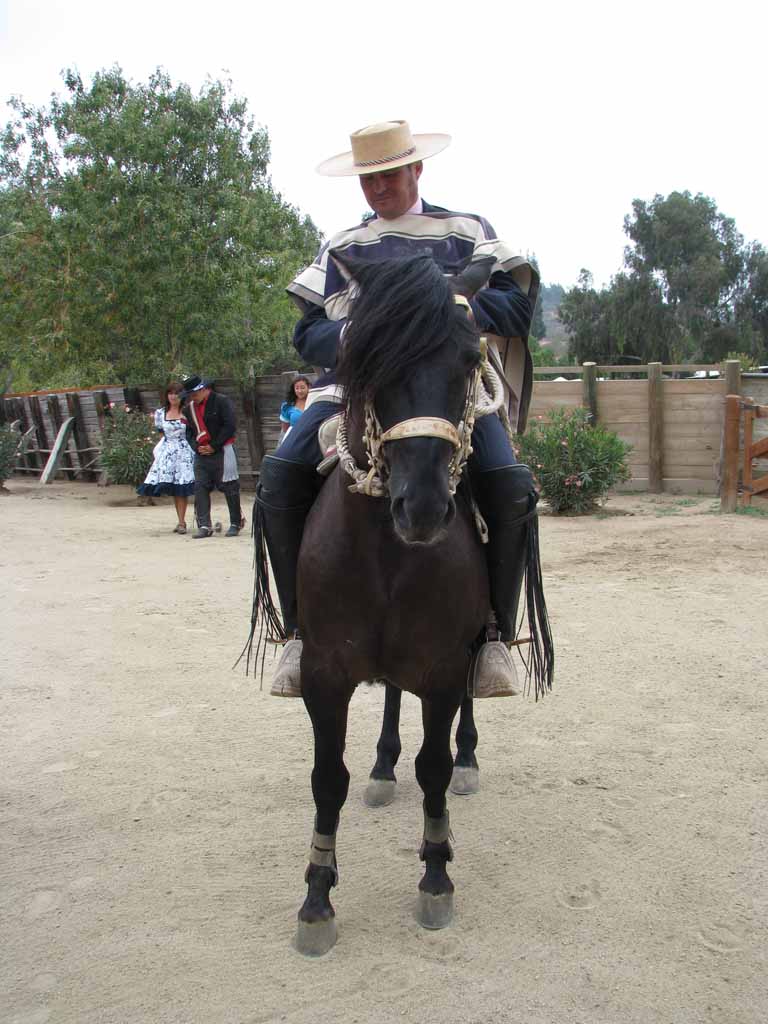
(156, 809)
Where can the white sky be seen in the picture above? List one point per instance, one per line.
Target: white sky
(561, 113)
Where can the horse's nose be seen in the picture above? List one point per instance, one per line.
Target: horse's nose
(422, 520)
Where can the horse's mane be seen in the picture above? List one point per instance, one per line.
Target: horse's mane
(403, 311)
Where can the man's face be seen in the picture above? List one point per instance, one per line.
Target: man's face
(391, 193)
(200, 396)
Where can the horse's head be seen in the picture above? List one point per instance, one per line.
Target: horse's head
(408, 356)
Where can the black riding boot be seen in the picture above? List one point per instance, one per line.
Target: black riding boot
(284, 497)
(507, 500)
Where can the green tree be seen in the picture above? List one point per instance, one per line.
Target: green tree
(140, 234)
(690, 289)
(696, 256)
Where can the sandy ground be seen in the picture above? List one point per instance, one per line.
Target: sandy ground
(156, 809)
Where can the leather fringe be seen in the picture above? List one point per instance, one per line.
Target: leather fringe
(266, 621)
(541, 660)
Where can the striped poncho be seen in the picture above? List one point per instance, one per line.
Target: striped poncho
(503, 310)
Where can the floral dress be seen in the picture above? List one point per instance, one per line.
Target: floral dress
(173, 470)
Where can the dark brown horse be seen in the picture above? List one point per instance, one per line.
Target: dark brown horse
(393, 587)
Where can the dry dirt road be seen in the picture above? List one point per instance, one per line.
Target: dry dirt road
(156, 808)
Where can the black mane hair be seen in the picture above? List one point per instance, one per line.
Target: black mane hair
(403, 311)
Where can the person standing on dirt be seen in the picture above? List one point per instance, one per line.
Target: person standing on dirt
(211, 426)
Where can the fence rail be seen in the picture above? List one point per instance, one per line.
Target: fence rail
(674, 424)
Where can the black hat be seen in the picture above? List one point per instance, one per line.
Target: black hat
(194, 383)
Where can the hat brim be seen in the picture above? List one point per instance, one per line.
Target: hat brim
(343, 164)
(204, 383)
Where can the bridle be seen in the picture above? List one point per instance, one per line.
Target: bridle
(484, 396)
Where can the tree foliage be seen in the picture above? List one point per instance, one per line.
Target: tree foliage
(574, 461)
(141, 235)
(690, 289)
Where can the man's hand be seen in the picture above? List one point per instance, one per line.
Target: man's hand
(204, 449)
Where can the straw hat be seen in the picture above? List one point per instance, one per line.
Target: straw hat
(382, 147)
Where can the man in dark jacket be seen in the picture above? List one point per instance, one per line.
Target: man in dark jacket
(211, 434)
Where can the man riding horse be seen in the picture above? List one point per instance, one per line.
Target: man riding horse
(387, 158)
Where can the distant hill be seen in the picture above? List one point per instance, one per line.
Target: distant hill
(555, 337)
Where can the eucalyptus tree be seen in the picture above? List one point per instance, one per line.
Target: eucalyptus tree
(141, 235)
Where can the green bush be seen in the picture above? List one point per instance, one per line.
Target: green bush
(9, 442)
(574, 463)
(126, 447)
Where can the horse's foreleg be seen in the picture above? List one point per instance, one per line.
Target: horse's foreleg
(466, 773)
(380, 790)
(328, 707)
(433, 771)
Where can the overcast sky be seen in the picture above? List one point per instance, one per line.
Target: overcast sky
(561, 113)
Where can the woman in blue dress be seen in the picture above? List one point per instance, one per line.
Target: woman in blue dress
(172, 471)
(294, 403)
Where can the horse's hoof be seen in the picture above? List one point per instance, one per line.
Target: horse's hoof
(434, 912)
(465, 781)
(379, 792)
(315, 938)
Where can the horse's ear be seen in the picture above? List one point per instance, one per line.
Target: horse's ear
(473, 278)
(350, 267)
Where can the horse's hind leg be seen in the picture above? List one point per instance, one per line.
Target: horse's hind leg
(466, 773)
(433, 770)
(328, 707)
(380, 790)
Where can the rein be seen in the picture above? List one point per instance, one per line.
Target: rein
(485, 395)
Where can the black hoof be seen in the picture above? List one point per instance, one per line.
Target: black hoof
(315, 938)
(434, 912)
(465, 781)
(379, 792)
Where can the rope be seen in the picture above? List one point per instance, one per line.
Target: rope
(485, 395)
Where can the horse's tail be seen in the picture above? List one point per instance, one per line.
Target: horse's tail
(541, 661)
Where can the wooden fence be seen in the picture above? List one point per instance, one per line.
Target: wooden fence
(40, 415)
(675, 425)
(741, 447)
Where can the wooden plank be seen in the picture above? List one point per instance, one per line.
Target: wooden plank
(253, 431)
(59, 449)
(37, 419)
(729, 479)
(759, 448)
(655, 429)
(694, 386)
(746, 469)
(81, 437)
(54, 412)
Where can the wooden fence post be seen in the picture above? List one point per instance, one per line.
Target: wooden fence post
(732, 377)
(589, 390)
(729, 478)
(655, 429)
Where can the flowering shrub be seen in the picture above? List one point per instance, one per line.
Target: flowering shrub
(126, 446)
(574, 463)
(9, 442)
